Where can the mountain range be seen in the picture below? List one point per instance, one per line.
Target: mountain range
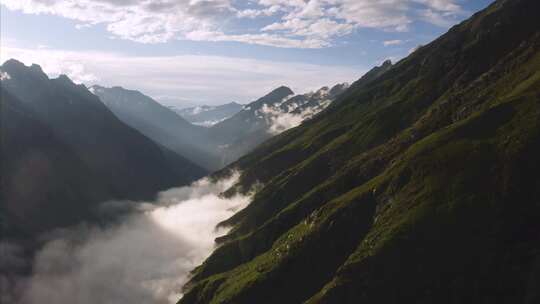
(64, 151)
(419, 184)
(267, 116)
(237, 129)
(96, 144)
(161, 124)
(208, 116)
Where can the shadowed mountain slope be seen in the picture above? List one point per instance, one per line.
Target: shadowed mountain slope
(42, 178)
(92, 156)
(160, 124)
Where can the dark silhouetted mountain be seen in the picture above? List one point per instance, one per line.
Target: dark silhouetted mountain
(91, 156)
(44, 183)
(420, 185)
(272, 114)
(208, 116)
(161, 124)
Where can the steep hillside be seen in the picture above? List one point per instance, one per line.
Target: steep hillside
(419, 185)
(44, 183)
(160, 124)
(100, 151)
(208, 116)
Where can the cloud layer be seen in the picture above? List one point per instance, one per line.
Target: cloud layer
(281, 120)
(294, 110)
(184, 80)
(280, 23)
(146, 258)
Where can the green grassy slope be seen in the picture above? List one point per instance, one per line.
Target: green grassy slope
(420, 185)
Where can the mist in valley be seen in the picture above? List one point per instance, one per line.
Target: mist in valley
(146, 257)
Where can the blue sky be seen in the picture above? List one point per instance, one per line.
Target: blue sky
(185, 52)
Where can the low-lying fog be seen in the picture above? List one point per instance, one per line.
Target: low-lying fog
(146, 258)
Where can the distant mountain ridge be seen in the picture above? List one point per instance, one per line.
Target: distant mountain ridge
(161, 124)
(246, 121)
(208, 116)
(237, 129)
(271, 114)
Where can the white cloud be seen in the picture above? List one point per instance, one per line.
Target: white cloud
(346, 15)
(436, 17)
(145, 258)
(441, 5)
(393, 42)
(260, 39)
(193, 78)
(54, 62)
(280, 119)
(294, 23)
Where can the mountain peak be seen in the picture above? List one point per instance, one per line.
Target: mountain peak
(279, 93)
(338, 89)
(16, 68)
(36, 68)
(325, 88)
(282, 90)
(63, 78)
(387, 63)
(13, 63)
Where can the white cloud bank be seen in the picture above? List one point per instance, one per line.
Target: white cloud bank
(281, 118)
(4, 75)
(292, 24)
(146, 258)
(175, 80)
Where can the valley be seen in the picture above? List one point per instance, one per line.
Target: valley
(416, 183)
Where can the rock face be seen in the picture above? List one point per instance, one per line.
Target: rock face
(63, 152)
(419, 184)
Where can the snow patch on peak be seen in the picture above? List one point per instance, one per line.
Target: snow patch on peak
(280, 120)
(4, 76)
(96, 90)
